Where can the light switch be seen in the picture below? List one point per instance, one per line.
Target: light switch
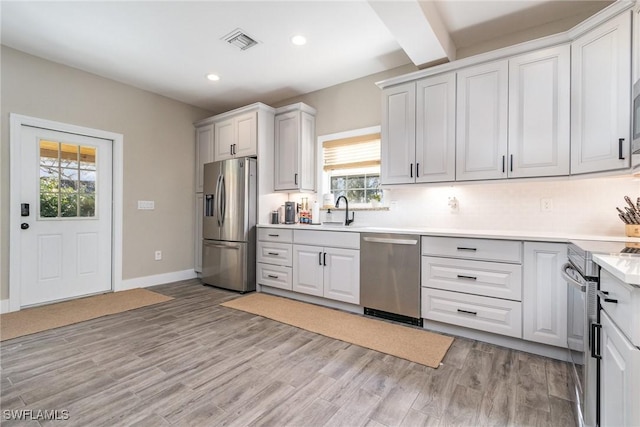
(146, 205)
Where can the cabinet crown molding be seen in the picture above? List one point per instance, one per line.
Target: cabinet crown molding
(257, 106)
(568, 36)
(298, 106)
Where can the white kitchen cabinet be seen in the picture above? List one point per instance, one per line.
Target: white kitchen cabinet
(539, 94)
(544, 297)
(327, 272)
(635, 55)
(418, 131)
(236, 136)
(198, 233)
(204, 152)
(601, 97)
(398, 135)
(435, 128)
(619, 373)
(295, 166)
(274, 258)
(481, 122)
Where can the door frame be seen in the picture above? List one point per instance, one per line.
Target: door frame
(15, 147)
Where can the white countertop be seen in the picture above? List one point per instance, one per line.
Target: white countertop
(625, 267)
(535, 236)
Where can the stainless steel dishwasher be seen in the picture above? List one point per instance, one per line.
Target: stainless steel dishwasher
(390, 276)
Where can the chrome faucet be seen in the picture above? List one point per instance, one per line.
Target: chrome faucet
(347, 221)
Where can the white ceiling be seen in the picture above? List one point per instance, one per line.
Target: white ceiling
(168, 47)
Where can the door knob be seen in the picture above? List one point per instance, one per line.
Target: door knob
(24, 226)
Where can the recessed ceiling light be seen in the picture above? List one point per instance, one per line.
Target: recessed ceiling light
(298, 40)
(213, 77)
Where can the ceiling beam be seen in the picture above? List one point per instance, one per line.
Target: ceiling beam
(418, 29)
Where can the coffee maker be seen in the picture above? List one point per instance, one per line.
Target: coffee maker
(290, 212)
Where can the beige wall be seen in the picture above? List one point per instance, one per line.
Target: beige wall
(158, 154)
(351, 105)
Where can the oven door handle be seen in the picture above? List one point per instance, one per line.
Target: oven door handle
(570, 280)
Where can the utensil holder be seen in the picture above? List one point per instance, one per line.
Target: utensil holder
(632, 230)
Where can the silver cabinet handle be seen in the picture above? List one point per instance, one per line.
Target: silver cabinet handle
(391, 241)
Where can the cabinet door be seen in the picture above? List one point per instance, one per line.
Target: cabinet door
(246, 135)
(307, 157)
(204, 152)
(436, 129)
(544, 296)
(286, 151)
(620, 370)
(224, 139)
(342, 275)
(398, 142)
(481, 128)
(308, 270)
(198, 233)
(601, 97)
(539, 93)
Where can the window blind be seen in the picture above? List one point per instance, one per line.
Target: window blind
(349, 153)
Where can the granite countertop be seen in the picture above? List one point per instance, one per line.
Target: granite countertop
(538, 236)
(625, 267)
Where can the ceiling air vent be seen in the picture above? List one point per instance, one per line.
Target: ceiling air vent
(240, 39)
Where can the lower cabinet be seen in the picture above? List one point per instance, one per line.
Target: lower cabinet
(327, 272)
(544, 299)
(274, 249)
(619, 373)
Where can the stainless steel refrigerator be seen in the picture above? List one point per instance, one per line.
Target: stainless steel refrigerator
(229, 224)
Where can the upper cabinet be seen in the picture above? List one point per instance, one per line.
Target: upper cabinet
(398, 135)
(294, 156)
(513, 117)
(418, 141)
(236, 136)
(481, 114)
(555, 106)
(601, 97)
(539, 93)
(204, 152)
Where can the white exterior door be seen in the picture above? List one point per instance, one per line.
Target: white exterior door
(66, 230)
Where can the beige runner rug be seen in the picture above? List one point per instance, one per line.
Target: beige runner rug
(416, 345)
(45, 317)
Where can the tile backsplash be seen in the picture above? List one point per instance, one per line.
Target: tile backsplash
(578, 206)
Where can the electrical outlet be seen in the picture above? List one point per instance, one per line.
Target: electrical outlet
(158, 255)
(147, 205)
(546, 205)
(454, 206)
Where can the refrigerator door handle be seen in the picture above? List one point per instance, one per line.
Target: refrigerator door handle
(217, 245)
(222, 199)
(217, 207)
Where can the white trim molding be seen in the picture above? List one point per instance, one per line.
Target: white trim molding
(15, 138)
(4, 306)
(156, 279)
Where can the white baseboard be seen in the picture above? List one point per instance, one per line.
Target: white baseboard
(4, 306)
(157, 279)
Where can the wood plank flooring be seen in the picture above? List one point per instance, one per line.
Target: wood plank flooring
(190, 362)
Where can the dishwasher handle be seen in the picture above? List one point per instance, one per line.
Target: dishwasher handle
(391, 241)
(570, 280)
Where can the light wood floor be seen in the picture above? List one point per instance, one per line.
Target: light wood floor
(191, 362)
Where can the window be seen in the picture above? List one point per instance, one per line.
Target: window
(67, 180)
(351, 165)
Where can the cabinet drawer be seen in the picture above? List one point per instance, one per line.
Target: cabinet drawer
(282, 235)
(471, 311)
(491, 279)
(480, 249)
(625, 313)
(335, 239)
(275, 276)
(275, 253)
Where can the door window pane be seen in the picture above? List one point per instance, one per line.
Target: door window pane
(67, 180)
